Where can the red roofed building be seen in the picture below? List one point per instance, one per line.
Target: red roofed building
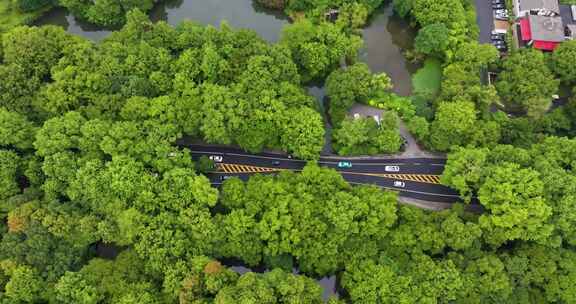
(542, 32)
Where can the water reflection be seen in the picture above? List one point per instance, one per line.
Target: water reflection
(330, 285)
(238, 13)
(385, 37)
(61, 17)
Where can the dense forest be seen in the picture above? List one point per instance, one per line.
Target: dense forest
(88, 160)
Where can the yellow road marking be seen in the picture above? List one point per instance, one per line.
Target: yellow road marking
(233, 168)
(420, 178)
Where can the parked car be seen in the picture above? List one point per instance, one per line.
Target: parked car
(499, 43)
(225, 177)
(501, 14)
(497, 36)
(399, 184)
(498, 6)
(391, 168)
(216, 158)
(497, 2)
(344, 164)
(501, 17)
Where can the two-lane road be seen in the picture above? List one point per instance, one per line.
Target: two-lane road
(416, 178)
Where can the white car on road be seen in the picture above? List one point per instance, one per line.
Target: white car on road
(392, 169)
(216, 158)
(399, 184)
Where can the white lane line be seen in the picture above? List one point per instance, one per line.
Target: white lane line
(304, 161)
(393, 189)
(410, 191)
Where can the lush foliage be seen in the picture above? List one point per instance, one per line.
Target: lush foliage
(318, 48)
(426, 81)
(105, 12)
(527, 84)
(354, 84)
(563, 60)
(223, 86)
(98, 205)
(18, 12)
(366, 136)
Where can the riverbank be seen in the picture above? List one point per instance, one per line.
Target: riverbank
(11, 17)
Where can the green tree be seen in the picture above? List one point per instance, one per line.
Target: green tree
(432, 39)
(527, 84)
(72, 288)
(272, 287)
(36, 49)
(562, 61)
(17, 88)
(517, 209)
(15, 130)
(303, 133)
(465, 171)
(447, 12)
(347, 86)
(364, 136)
(317, 49)
(419, 127)
(9, 167)
(453, 125)
(25, 285)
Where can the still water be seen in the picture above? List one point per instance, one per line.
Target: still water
(385, 36)
(330, 285)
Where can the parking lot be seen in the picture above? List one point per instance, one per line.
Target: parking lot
(489, 13)
(485, 19)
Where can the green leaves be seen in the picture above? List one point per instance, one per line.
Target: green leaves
(562, 62)
(527, 84)
(318, 48)
(9, 165)
(364, 136)
(15, 130)
(432, 39)
(312, 217)
(303, 133)
(453, 125)
(25, 285)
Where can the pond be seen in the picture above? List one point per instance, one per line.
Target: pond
(385, 36)
(330, 285)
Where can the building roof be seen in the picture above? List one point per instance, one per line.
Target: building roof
(530, 5)
(525, 32)
(545, 45)
(546, 28)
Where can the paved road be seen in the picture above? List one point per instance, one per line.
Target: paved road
(420, 175)
(485, 19)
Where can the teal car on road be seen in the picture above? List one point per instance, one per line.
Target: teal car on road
(344, 164)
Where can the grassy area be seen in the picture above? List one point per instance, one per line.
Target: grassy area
(427, 79)
(11, 17)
